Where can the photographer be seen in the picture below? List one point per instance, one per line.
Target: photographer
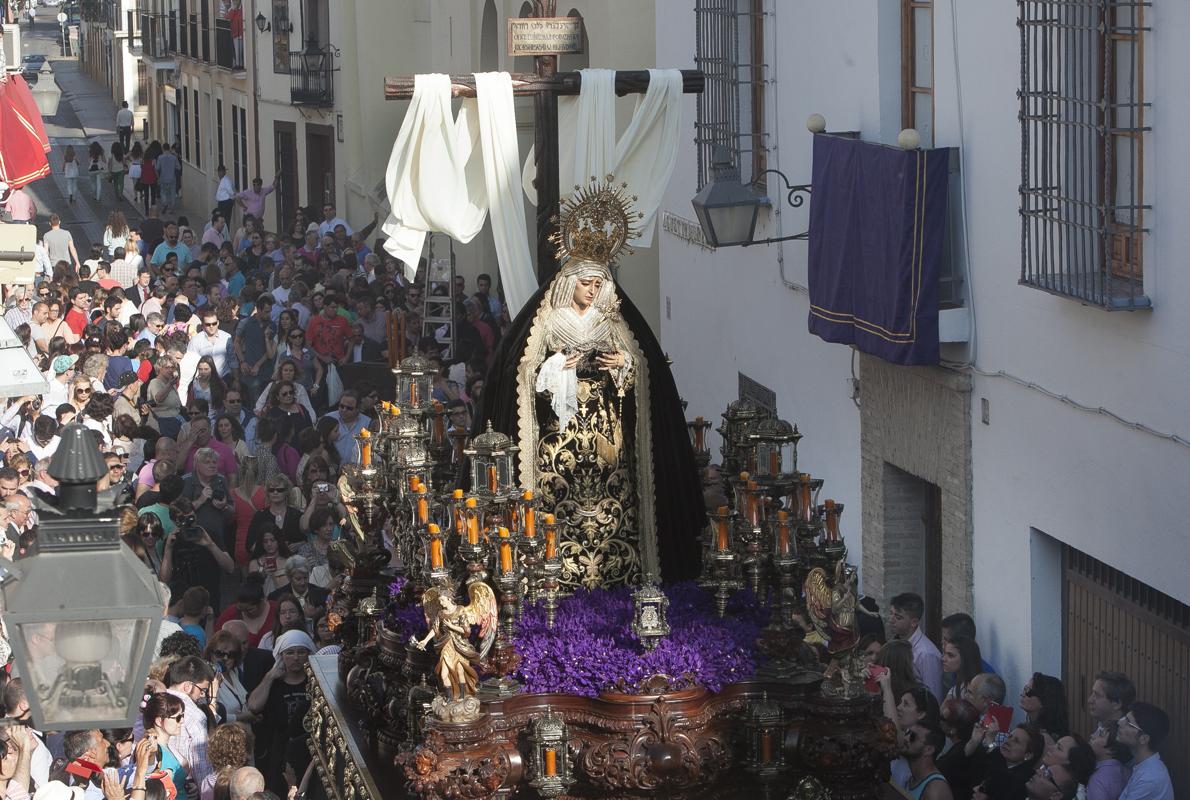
(192, 558)
(207, 489)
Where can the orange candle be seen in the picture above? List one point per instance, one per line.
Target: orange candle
(435, 548)
(472, 522)
(551, 537)
(413, 482)
(700, 433)
(832, 521)
(806, 510)
(413, 393)
(365, 448)
(721, 530)
(439, 423)
(551, 762)
(492, 478)
(766, 747)
(423, 505)
(753, 503)
(774, 461)
(783, 532)
(505, 551)
(530, 514)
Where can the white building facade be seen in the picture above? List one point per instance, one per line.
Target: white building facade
(1038, 480)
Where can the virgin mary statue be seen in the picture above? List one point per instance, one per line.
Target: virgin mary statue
(580, 383)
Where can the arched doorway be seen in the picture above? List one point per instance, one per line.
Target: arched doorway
(489, 38)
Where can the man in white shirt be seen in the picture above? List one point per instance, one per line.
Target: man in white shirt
(212, 342)
(351, 422)
(225, 193)
(16, 705)
(330, 222)
(124, 121)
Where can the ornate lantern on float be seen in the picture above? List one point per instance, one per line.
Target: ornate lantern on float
(649, 605)
(698, 428)
(764, 729)
(775, 441)
(549, 763)
(738, 420)
(493, 461)
(415, 381)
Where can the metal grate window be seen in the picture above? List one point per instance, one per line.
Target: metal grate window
(729, 49)
(1082, 113)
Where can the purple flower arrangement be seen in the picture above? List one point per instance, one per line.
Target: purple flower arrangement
(591, 648)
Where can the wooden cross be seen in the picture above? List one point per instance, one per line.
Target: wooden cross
(545, 85)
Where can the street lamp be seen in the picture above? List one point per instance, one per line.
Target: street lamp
(726, 209)
(46, 93)
(83, 613)
(262, 24)
(313, 58)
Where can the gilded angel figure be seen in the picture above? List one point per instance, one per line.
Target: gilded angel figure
(450, 629)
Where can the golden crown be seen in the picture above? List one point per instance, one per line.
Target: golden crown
(596, 222)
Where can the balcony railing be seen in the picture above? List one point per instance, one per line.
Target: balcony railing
(225, 50)
(154, 30)
(311, 76)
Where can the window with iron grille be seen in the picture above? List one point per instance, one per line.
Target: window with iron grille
(241, 146)
(729, 49)
(1083, 130)
(917, 68)
(219, 131)
(197, 133)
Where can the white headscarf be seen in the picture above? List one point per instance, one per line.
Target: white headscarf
(291, 639)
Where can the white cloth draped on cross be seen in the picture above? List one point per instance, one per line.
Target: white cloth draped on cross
(446, 174)
(643, 157)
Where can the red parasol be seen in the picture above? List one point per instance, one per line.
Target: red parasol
(23, 141)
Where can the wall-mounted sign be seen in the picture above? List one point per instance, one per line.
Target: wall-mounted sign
(170, 93)
(685, 229)
(537, 36)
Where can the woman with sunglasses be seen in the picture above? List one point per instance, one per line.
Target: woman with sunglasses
(287, 370)
(1043, 699)
(277, 515)
(225, 652)
(162, 715)
(163, 396)
(269, 558)
(80, 392)
(284, 407)
(293, 346)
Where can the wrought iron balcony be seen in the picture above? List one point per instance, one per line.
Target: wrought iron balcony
(311, 75)
(154, 36)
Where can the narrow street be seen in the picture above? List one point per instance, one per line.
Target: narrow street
(86, 114)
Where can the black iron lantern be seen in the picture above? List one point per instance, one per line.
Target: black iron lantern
(262, 24)
(725, 207)
(84, 612)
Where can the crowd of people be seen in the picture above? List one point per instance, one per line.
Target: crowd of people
(205, 362)
(953, 717)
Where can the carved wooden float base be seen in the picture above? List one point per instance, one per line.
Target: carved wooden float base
(690, 743)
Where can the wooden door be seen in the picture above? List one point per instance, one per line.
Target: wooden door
(320, 167)
(1114, 622)
(286, 166)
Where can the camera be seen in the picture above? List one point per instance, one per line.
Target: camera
(323, 487)
(188, 530)
(218, 488)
